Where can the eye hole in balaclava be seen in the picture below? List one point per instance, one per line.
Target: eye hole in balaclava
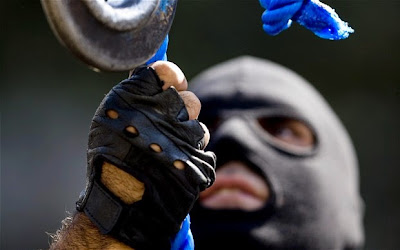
(289, 133)
(286, 133)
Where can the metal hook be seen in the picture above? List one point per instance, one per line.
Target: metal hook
(111, 35)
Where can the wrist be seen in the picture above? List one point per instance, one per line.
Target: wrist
(78, 232)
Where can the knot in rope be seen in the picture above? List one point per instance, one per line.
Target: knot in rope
(321, 19)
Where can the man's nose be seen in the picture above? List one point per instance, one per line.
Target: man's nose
(232, 138)
(233, 128)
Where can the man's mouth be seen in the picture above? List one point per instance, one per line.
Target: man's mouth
(236, 187)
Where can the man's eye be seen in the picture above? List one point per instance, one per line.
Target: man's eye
(288, 131)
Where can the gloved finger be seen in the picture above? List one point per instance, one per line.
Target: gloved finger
(143, 81)
(170, 74)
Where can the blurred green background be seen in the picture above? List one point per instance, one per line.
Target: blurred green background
(48, 98)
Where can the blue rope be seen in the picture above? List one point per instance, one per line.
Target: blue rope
(321, 19)
(183, 239)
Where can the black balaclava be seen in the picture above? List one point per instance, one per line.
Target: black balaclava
(315, 200)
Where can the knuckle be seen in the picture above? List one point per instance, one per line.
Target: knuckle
(170, 74)
(192, 103)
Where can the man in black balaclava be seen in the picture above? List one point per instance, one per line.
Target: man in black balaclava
(287, 174)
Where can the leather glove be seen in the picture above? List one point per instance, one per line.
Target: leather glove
(133, 117)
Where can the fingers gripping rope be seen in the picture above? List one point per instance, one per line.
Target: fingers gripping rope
(183, 240)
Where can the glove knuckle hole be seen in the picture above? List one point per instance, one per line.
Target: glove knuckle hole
(111, 113)
(156, 148)
(131, 131)
(179, 165)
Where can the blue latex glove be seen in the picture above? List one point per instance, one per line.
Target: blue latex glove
(321, 19)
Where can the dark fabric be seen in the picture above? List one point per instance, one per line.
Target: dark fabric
(105, 215)
(160, 117)
(315, 200)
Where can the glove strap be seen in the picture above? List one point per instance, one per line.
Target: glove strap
(102, 208)
(104, 211)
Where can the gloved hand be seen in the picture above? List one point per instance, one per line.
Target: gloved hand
(144, 128)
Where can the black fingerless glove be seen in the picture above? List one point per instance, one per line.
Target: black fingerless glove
(135, 114)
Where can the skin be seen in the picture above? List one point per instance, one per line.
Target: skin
(81, 233)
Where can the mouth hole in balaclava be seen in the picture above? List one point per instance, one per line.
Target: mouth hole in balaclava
(229, 150)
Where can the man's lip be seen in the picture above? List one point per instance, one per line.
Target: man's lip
(234, 181)
(236, 187)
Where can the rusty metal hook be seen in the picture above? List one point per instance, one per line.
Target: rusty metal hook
(111, 35)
